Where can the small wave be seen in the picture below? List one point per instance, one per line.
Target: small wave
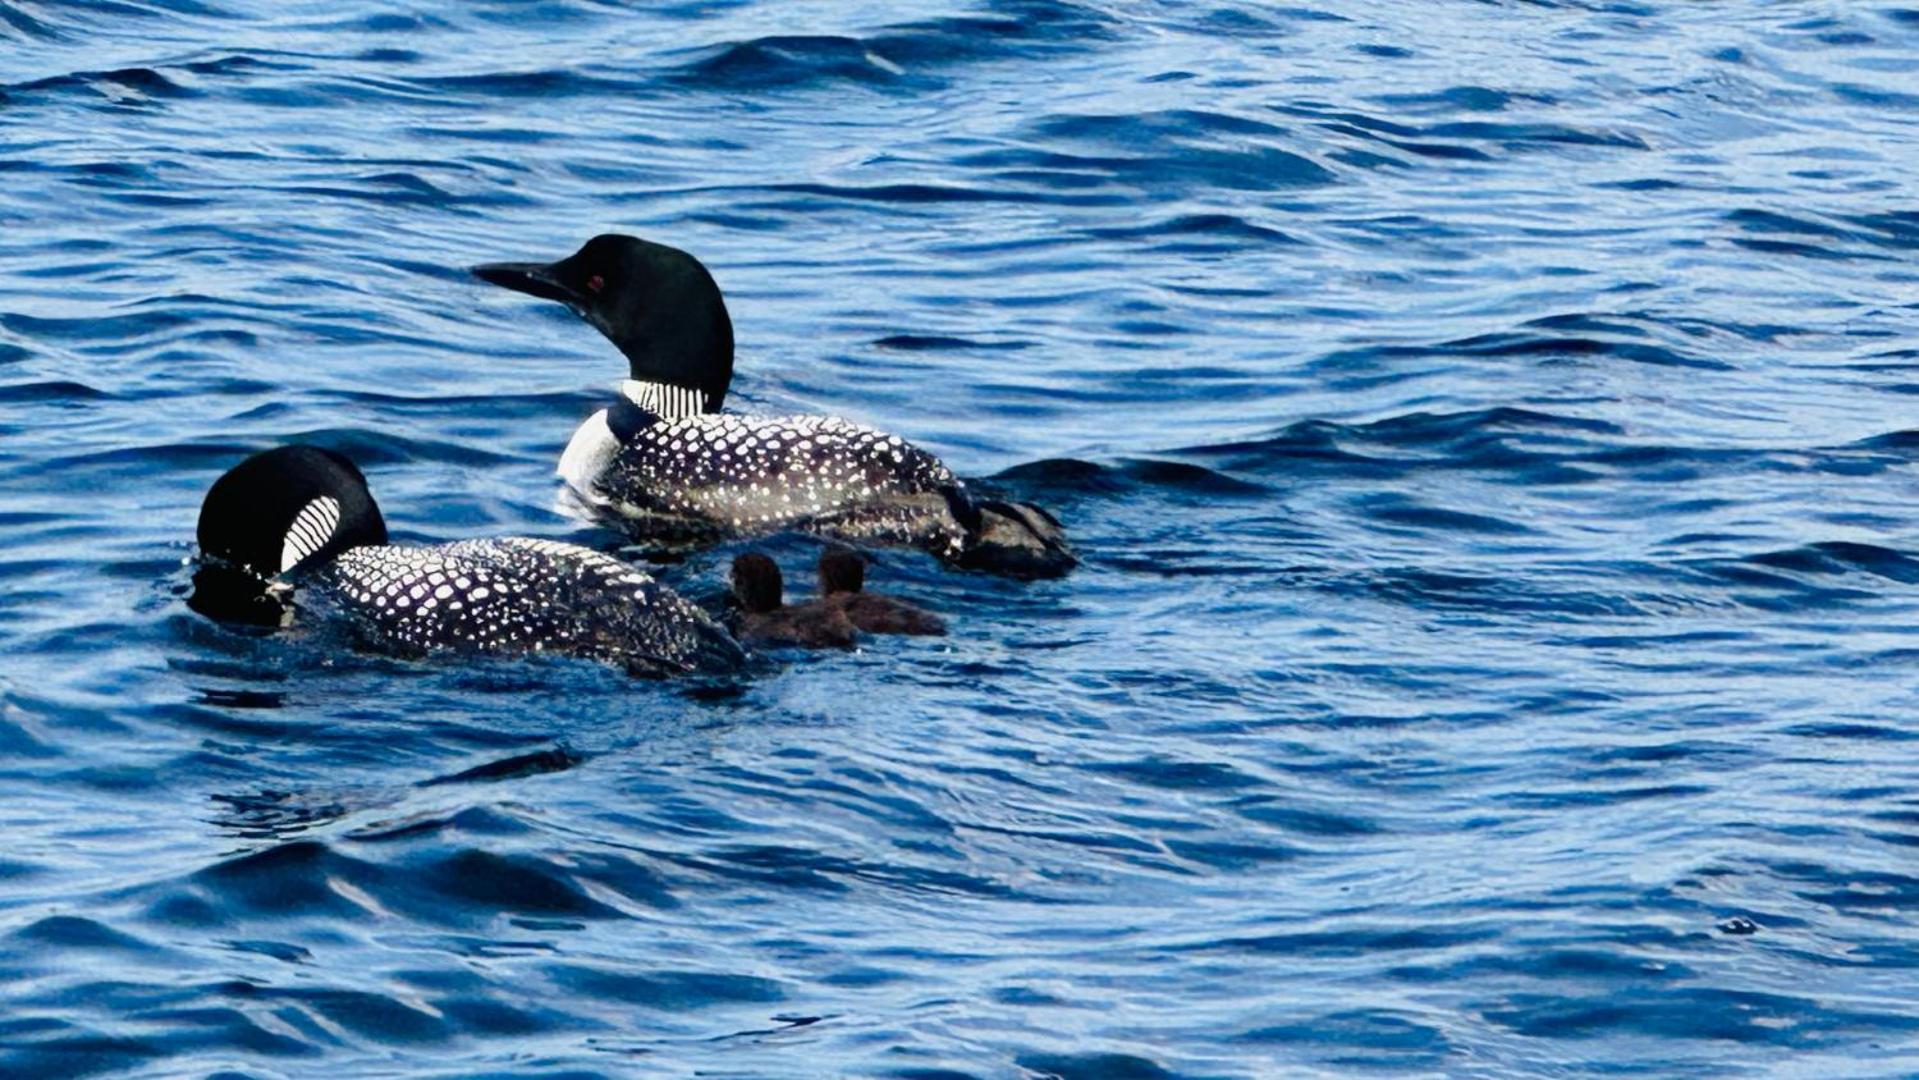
(1304, 820)
(129, 87)
(905, 56)
(1832, 558)
(52, 390)
(116, 331)
(1380, 1038)
(1198, 232)
(1429, 590)
(939, 343)
(23, 734)
(932, 194)
(1095, 1066)
(1176, 775)
(1031, 29)
(1603, 339)
(396, 189)
(1358, 940)
(74, 932)
(558, 759)
(1691, 1013)
(1179, 148)
(456, 887)
(1472, 140)
(1462, 99)
(1267, 23)
(1403, 513)
(1498, 438)
(21, 22)
(1898, 231)
(1234, 855)
(672, 991)
(1592, 796)
(545, 84)
(795, 61)
(1525, 344)
(1533, 446)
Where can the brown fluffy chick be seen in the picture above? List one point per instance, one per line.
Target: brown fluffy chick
(843, 575)
(764, 620)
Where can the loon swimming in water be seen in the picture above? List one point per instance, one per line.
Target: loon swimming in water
(301, 518)
(766, 619)
(664, 462)
(843, 585)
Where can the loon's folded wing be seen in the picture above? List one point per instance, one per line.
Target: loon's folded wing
(516, 594)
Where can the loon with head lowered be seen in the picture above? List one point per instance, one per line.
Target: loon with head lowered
(664, 463)
(298, 521)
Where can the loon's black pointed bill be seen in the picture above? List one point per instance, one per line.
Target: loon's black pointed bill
(534, 279)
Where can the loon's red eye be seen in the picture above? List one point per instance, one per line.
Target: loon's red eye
(595, 283)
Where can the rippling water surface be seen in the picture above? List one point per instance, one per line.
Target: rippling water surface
(1490, 427)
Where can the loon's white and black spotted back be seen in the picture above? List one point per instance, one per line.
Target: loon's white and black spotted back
(695, 472)
(517, 594)
(299, 519)
(665, 464)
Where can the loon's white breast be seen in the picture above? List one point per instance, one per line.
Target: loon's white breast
(587, 455)
(594, 444)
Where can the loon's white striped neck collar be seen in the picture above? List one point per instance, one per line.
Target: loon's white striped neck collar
(664, 400)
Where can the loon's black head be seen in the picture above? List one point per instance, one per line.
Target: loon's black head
(278, 512)
(757, 583)
(657, 303)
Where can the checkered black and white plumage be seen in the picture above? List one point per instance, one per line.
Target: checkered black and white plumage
(697, 473)
(515, 594)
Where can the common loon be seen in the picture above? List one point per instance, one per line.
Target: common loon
(843, 583)
(665, 464)
(299, 520)
(765, 618)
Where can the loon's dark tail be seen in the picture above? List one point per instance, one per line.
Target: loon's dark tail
(1015, 539)
(717, 653)
(708, 650)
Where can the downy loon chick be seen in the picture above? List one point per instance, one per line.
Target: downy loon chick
(764, 619)
(300, 520)
(665, 464)
(842, 581)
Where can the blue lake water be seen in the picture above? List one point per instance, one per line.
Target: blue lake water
(1491, 428)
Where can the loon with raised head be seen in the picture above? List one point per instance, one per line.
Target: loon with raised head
(299, 521)
(665, 464)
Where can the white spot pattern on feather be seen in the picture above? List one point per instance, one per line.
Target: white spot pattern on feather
(759, 474)
(519, 594)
